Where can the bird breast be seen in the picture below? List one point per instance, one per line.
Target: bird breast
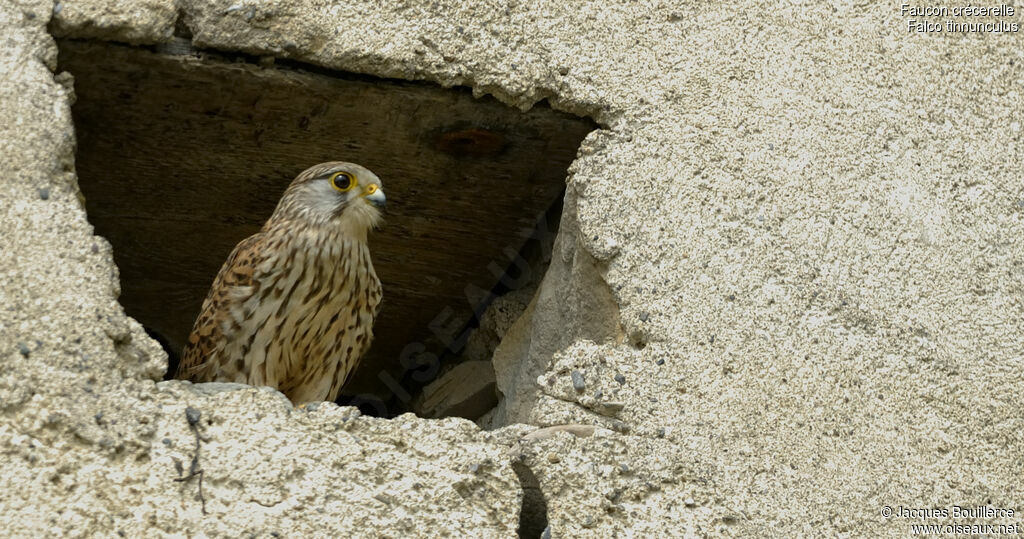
(309, 317)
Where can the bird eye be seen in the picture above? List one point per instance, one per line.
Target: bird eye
(343, 181)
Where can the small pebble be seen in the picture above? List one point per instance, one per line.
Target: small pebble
(661, 432)
(660, 362)
(610, 408)
(689, 502)
(577, 381)
(23, 348)
(624, 468)
(546, 534)
(192, 415)
(44, 193)
(167, 442)
(644, 316)
(620, 379)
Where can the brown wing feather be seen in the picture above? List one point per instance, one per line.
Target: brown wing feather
(238, 271)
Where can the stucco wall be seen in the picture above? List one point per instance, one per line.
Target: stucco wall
(800, 227)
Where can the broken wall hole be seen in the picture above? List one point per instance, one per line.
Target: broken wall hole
(182, 153)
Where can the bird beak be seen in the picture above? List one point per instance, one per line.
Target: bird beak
(377, 198)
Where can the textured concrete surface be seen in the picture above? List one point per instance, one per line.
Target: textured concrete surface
(137, 22)
(805, 222)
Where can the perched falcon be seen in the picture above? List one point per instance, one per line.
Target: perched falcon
(294, 304)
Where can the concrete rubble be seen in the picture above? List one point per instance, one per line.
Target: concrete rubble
(785, 295)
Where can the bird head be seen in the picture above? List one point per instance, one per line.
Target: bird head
(334, 193)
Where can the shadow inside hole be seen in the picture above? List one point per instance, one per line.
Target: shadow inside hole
(533, 515)
(464, 382)
(180, 156)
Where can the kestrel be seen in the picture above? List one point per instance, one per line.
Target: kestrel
(294, 304)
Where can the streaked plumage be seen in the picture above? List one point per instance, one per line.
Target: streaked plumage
(294, 304)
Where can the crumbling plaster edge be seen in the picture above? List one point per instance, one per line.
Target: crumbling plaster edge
(159, 22)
